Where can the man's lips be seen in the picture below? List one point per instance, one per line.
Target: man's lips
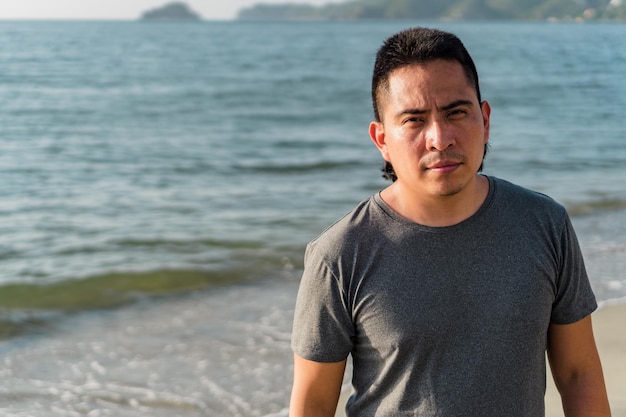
(444, 166)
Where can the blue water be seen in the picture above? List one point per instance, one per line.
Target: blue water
(225, 147)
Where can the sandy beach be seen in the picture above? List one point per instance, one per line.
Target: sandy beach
(609, 325)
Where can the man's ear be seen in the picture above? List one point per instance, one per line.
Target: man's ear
(486, 110)
(377, 134)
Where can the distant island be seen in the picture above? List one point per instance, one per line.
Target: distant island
(171, 11)
(570, 10)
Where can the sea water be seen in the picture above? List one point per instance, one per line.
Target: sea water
(160, 182)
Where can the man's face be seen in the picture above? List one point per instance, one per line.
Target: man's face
(433, 129)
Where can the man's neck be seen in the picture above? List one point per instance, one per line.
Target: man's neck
(437, 211)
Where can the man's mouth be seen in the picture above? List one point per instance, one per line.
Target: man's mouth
(444, 167)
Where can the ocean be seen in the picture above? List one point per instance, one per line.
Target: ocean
(160, 182)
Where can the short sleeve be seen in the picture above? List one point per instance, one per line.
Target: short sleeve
(574, 298)
(322, 327)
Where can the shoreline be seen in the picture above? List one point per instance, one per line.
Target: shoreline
(608, 324)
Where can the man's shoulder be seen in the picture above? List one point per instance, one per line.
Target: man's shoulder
(351, 227)
(513, 198)
(527, 197)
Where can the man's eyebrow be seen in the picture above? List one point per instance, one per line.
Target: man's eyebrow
(411, 111)
(454, 104)
(457, 103)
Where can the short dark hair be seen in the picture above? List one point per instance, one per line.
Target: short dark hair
(415, 46)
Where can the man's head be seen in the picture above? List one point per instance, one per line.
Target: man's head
(417, 46)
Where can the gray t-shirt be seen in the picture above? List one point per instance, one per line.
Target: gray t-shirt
(443, 321)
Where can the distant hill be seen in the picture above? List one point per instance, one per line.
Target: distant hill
(444, 9)
(171, 11)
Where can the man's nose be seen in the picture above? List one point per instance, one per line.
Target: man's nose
(438, 137)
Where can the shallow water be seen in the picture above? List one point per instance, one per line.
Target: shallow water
(212, 353)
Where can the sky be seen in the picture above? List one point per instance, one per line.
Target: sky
(123, 9)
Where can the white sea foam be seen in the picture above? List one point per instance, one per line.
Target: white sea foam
(220, 353)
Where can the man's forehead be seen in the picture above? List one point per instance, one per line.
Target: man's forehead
(428, 80)
(446, 73)
(428, 69)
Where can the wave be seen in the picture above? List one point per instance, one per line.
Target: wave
(25, 307)
(302, 167)
(186, 244)
(585, 208)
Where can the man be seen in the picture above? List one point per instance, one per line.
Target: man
(448, 287)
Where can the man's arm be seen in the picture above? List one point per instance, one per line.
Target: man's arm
(576, 369)
(316, 388)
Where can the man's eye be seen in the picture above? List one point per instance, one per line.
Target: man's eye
(457, 114)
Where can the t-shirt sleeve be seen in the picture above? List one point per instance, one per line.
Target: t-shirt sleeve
(322, 327)
(574, 297)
